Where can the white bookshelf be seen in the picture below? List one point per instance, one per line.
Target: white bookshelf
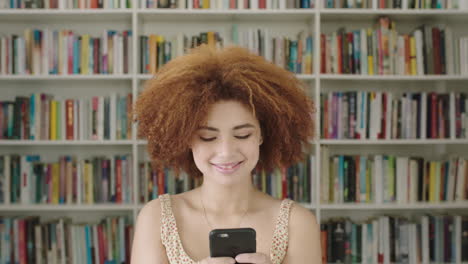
(168, 21)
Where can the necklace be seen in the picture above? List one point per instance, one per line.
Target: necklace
(206, 218)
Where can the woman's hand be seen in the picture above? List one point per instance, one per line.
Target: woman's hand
(254, 258)
(220, 260)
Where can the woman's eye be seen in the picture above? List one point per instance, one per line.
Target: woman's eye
(243, 137)
(207, 139)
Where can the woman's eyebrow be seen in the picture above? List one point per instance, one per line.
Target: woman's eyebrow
(247, 125)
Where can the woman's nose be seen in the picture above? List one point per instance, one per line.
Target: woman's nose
(226, 146)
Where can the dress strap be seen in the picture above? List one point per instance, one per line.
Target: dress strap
(279, 244)
(170, 235)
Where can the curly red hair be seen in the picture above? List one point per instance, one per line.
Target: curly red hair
(174, 103)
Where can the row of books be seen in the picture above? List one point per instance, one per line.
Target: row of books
(228, 4)
(154, 182)
(65, 4)
(388, 115)
(294, 54)
(396, 239)
(157, 50)
(66, 52)
(291, 52)
(25, 179)
(383, 51)
(401, 4)
(28, 240)
(293, 182)
(392, 179)
(43, 117)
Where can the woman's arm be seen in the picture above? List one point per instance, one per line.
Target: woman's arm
(147, 247)
(304, 238)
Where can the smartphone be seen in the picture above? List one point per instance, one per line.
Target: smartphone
(232, 242)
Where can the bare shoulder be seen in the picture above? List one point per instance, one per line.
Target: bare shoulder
(147, 246)
(304, 237)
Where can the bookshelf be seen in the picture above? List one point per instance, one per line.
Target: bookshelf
(166, 21)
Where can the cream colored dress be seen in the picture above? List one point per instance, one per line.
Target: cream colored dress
(177, 255)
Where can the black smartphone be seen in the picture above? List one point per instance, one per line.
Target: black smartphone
(232, 242)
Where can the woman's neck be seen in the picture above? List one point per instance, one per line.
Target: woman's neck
(226, 200)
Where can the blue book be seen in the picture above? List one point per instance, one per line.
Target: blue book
(357, 51)
(341, 177)
(88, 245)
(293, 56)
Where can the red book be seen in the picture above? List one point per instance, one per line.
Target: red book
(70, 51)
(94, 3)
(102, 247)
(407, 55)
(323, 236)
(196, 3)
(436, 50)
(160, 181)
(262, 4)
(383, 118)
(118, 176)
(69, 119)
(22, 241)
(284, 183)
(339, 56)
(232, 4)
(323, 54)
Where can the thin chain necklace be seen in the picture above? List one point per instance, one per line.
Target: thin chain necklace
(206, 218)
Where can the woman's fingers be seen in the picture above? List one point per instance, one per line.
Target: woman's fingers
(254, 258)
(221, 260)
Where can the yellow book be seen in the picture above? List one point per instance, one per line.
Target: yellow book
(28, 39)
(264, 184)
(85, 54)
(110, 52)
(53, 120)
(55, 183)
(432, 181)
(160, 53)
(152, 53)
(211, 39)
(414, 69)
(206, 4)
(370, 57)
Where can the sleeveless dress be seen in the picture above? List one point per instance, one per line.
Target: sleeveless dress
(177, 255)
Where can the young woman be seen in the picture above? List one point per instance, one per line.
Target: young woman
(218, 114)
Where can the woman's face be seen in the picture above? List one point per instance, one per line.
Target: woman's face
(226, 147)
